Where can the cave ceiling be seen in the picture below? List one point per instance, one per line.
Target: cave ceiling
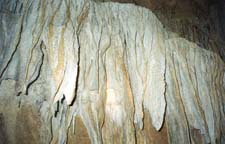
(162, 4)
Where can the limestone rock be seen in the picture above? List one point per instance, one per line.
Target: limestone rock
(83, 71)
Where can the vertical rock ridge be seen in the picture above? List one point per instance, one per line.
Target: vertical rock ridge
(107, 72)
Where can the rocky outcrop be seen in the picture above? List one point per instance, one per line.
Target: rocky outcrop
(88, 72)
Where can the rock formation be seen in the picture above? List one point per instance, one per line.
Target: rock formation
(84, 71)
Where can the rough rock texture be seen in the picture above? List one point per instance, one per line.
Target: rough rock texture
(81, 71)
(199, 21)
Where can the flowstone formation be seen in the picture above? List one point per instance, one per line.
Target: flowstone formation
(82, 71)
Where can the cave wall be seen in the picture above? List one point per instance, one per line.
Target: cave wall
(199, 21)
(82, 71)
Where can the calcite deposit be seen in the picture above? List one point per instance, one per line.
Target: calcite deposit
(83, 71)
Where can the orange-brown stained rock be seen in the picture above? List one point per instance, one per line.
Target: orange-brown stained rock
(81, 135)
(28, 126)
(196, 136)
(111, 133)
(149, 135)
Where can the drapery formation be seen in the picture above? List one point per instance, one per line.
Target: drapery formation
(106, 71)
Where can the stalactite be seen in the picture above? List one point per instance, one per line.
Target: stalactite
(97, 72)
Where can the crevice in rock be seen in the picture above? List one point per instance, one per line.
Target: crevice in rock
(14, 51)
(181, 102)
(81, 19)
(78, 72)
(39, 68)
